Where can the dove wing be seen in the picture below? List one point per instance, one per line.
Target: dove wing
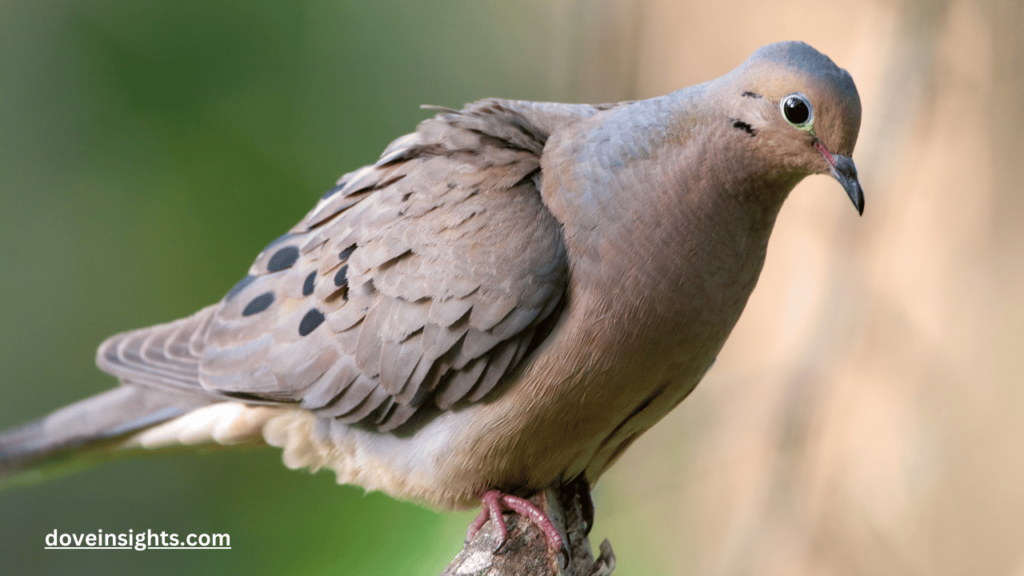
(417, 282)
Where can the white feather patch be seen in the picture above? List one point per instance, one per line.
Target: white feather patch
(400, 466)
(222, 423)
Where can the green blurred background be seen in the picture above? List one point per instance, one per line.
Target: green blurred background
(864, 418)
(148, 151)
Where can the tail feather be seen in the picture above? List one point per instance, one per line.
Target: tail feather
(84, 432)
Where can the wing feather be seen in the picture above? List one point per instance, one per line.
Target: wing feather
(419, 281)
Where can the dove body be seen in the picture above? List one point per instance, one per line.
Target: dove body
(511, 296)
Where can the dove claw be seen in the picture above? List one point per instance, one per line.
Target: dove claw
(495, 503)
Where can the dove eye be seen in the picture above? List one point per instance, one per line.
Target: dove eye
(797, 110)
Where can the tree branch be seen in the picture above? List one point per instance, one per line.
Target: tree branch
(527, 554)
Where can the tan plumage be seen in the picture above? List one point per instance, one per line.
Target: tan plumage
(510, 295)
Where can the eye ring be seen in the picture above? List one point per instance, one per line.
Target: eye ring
(798, 111)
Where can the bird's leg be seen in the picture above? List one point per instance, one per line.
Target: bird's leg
(494, 503)
(491, 510)
(478, 523)
(526, 508)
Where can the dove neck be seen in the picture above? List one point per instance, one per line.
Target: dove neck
(673, 216)
(666, 177)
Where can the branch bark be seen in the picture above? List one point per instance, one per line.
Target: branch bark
(527, 552)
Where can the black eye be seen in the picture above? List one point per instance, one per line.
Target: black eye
(797, 110)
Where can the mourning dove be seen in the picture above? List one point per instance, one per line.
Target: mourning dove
(508, 298)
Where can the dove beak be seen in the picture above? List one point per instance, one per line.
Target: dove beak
(845, 171)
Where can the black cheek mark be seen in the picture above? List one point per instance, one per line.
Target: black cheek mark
(258, 304)
(341, 278)
(749, 94)
(307, 286)
(241, 285)
(344, 254)
(741, 125)
(310, 321)
(283, 258)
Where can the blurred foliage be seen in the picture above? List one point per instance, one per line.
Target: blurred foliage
(148, 151)
(864, 417)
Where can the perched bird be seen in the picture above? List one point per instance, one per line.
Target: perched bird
(508, 298)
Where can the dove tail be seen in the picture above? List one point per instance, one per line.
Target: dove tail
(85, 433)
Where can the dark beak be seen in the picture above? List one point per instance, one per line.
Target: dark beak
(846, 172)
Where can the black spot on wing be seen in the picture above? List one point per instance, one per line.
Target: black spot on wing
(341, 278)
(310, 321)
(258, 304)
(344, 254)
(307, 286)
(749, 94)
(741, 125)
(341, 281)
(283, 258)
(238, 287)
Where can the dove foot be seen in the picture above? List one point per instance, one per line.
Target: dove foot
(495, 503)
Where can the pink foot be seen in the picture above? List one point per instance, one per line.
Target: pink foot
(495, 502)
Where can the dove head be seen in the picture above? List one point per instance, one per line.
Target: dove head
(801, 111)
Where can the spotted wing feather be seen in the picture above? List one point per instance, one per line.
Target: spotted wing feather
(418, 281)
